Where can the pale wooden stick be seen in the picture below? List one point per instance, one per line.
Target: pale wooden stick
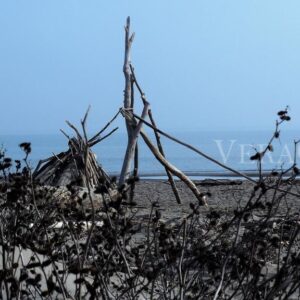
(91, 144)
(132, 142)
(161, 150)
(128, 105)
(159, 145)
(173, 169)
(136, 149)
(86, 115)
(104, 128)
(210, 158)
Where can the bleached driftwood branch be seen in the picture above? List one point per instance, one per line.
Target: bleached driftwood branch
(157, 136)
(162, 159)
(128, 105)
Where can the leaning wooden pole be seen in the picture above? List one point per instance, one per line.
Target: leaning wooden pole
(132, 138)
(161, 150)
(134, 129)
(173, 169)
(157, 136)
(136, 150)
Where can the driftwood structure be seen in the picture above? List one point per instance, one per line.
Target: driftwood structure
(76, 165)
(79, 164)
(134, 125)
(134, 128)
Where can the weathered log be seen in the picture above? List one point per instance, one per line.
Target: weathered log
(133, 140)
(128, 105)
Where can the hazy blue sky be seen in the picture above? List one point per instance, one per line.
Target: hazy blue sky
(215, 64)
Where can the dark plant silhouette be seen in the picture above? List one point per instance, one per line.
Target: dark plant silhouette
(53, 243)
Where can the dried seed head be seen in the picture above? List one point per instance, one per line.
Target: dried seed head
(256, 156)
(26, 147)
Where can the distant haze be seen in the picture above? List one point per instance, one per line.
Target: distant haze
(204, 65)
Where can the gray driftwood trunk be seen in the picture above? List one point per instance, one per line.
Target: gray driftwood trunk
(128, 105)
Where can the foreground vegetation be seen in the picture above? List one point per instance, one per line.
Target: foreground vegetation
(61, 245)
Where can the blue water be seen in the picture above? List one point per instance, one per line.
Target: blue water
(231, 148)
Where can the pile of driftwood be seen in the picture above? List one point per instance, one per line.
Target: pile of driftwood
(78, 165)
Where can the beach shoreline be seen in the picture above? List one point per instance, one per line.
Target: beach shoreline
(226, 196)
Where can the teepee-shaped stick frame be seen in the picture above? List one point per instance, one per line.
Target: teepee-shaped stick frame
(134, 129)
(77, 164)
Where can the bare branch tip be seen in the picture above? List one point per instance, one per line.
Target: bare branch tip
(132, 37)
(86, 114)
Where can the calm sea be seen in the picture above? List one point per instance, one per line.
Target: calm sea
(231, 148)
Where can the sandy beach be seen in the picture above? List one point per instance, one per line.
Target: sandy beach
(226, 195)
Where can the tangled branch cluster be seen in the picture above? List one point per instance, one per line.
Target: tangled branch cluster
(52, 249)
